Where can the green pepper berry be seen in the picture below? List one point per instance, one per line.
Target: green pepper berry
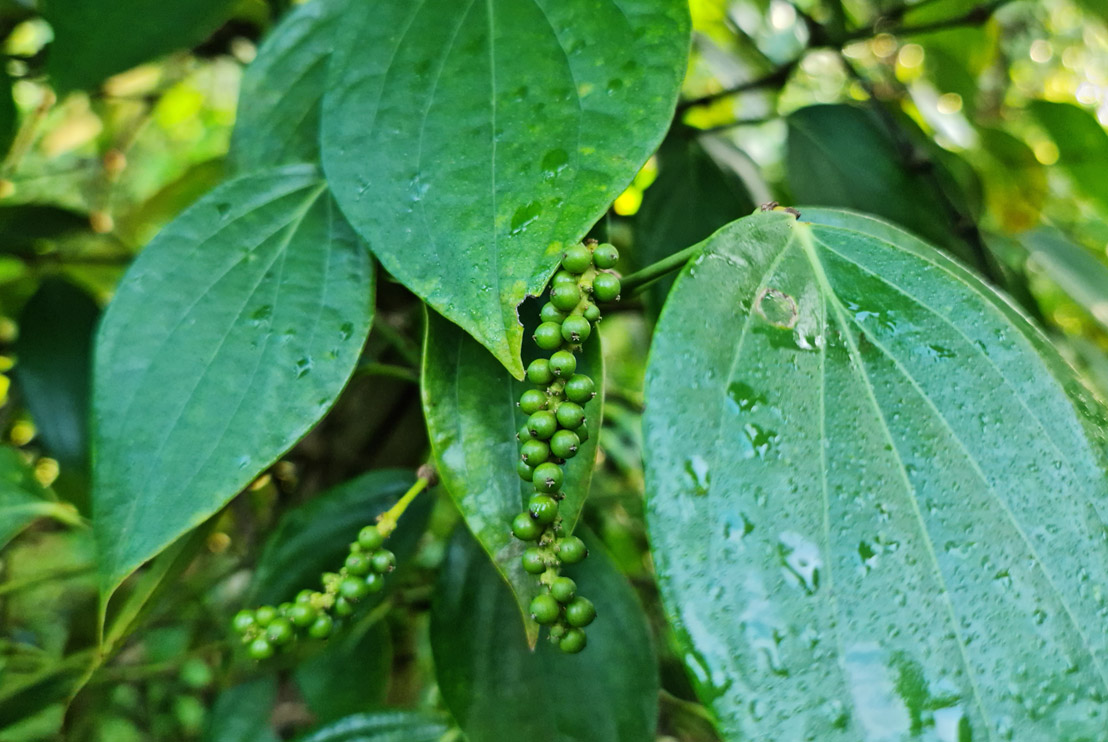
(279, 632)
(526, 529)
(302, 615)
(570, 415)
(576, 329)
(543, 509)
(534, 453)
(573, 641)
(260, 649)
(582, 433)
(577, 259)
(563, 589)
(242, 621)
(383, 561)
(580, 612)
(343, 607)
(548, 336)
(564, 444)
(353, 589)
(591, 312)
(284, 609)
(533, 562)
(580, 389)
(264, 614)
(542, 424)
(322, 626)
(524, 434)
(565, 296)
(544, 609)
(551, 313)
(305, 596)
(358, 565)
(525, 470)
(605, 287)
(375, 582)
(370, 539)
(563, 363)
(605, 256)
(538, 372)
(532, 400)
(563, 278)
(548, 477)
(572, 550)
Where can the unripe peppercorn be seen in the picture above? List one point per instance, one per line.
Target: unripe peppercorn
(605, 256)
(358, 565)
(577, 259)
(591, 312)
(321, 627)
(548, 335)
(572, 550)
(353, 588)
(548, 477)
(542, 424)
(279, 632)
(343, 607)
(564, 444)
(302, 615)
(580, 612)
(534, 452)
(551, 313)
(563, 364)
(533, 562)
(545, 609)
(580, 388)
(264, 614)
(606, 287)
(242, 621)
(370, 539)
(573, 641)
(525, 528)
(565, 296)
(526, 471)
(543, 509)
(383, 561)
(563, 278)
(576, 329)
(570, 415)
(563, 589)
(524, 434)
(260, 649)
(538, 372)
(531, 401)
(374, 582)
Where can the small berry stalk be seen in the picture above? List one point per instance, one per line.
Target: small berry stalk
(555, 428)
(314, 614)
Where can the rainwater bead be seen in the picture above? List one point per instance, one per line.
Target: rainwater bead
(606, 287)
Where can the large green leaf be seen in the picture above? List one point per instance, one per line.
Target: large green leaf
(23, 499)
(469, 401)
(242, 712)
(315, 537)
(695, 194)
(325, 679)
(93, 41)
(468, 142)
(54, 368)
(874, 510)
(500, 690)
(1075, 269)
(1082, 146)
(278, 116)
(383, 726)
(230, 336)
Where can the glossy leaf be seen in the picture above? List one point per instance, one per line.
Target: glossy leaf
(325, 679)
(54, 353)
(1075, 269)
(558, 104)
(230, 336)
(278, 116)
(315, 537)
(242, 712)
(383, 726)
(498, 689)
(694, 195)
(93, 41)
(1082, 146)
(875, 508)
(22, 498)
(469, 401)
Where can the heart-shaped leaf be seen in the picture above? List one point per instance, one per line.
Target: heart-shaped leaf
(469, 401)
(231, 335)
(468, 142)
(498, 689)
(875, 509)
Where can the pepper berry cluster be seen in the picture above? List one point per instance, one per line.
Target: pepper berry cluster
(267, 628)
(554, 430)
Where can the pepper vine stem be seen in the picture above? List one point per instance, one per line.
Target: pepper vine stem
(386, 521)
(633, 283)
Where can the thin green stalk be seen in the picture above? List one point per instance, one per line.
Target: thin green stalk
(386, 522)
(388, 370)
(654, 271)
